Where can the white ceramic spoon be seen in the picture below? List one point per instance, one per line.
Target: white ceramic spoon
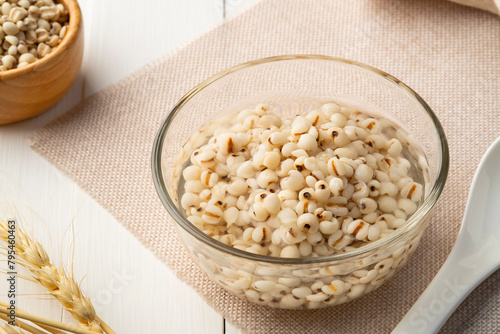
(475, 256)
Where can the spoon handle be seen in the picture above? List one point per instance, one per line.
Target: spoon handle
(459, 275)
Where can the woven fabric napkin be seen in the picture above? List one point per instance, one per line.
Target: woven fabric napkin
(489, 5)
(450, 54)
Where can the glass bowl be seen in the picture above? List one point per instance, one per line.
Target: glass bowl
(292, 84)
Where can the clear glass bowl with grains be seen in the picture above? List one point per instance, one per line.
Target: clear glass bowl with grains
(339, 245)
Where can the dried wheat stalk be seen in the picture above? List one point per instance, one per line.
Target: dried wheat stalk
(44, 322)
(60, 284)
(22, 325)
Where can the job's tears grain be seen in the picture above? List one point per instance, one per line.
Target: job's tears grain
(321, 182)
(285, 177)
(29, 30)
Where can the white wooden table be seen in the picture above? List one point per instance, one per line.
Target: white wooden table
(131, 290)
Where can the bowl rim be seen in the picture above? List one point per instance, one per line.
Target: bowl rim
(75, 19)
(422, 211)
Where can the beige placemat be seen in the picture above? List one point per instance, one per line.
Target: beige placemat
(448, 53)
(489, 5)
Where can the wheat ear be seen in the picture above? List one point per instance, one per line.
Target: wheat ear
(31, 255)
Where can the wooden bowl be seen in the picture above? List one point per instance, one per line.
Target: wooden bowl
(29, 91)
